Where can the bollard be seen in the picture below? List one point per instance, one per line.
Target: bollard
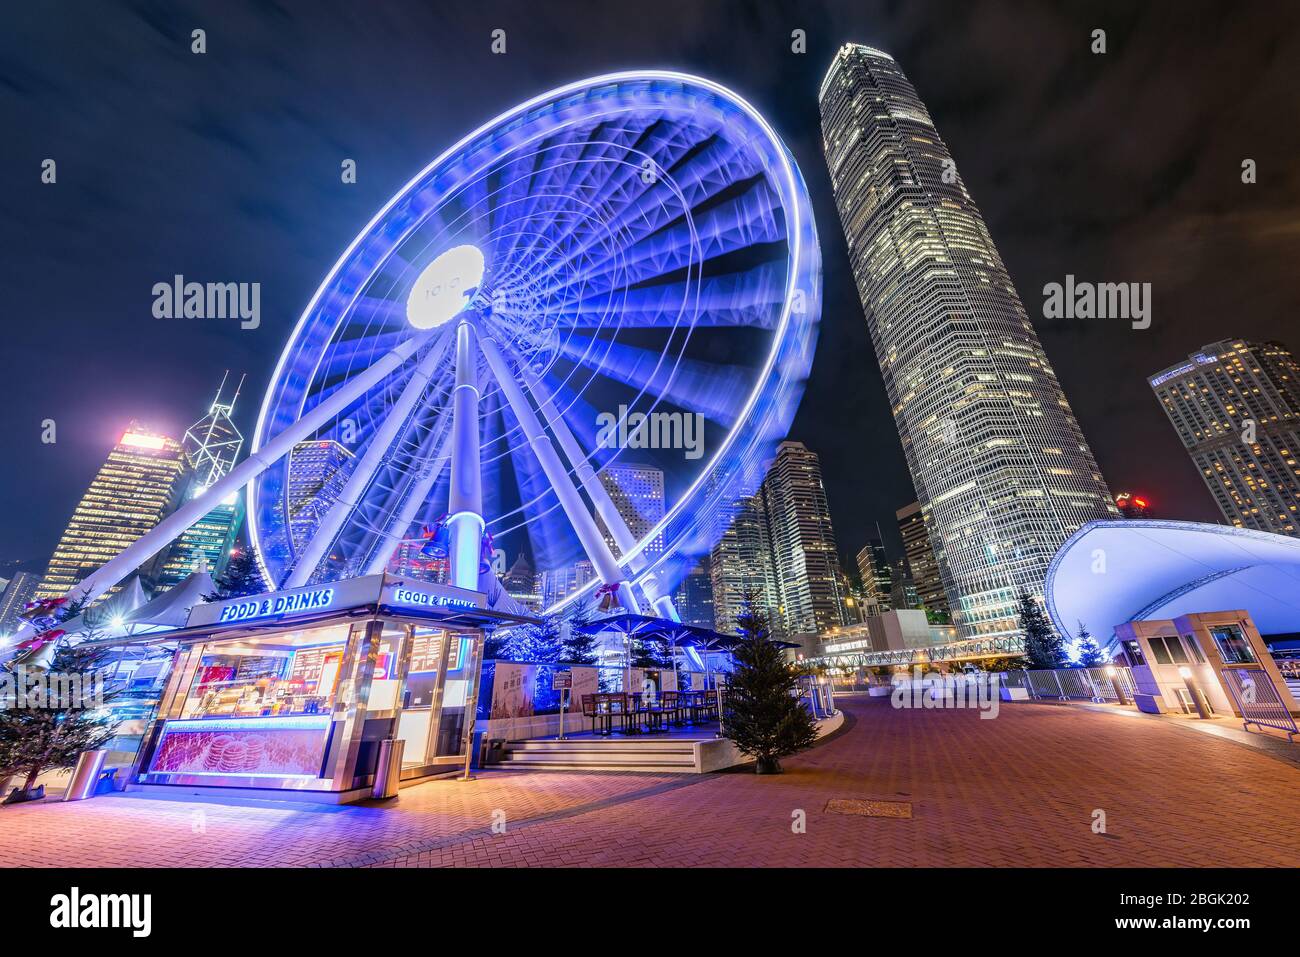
(388, 772)
(85, 775)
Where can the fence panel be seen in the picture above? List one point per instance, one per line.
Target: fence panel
(1258, 700)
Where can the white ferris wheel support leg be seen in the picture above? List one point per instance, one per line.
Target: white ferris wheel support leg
(465, 496)
(574, 508)
(365, 470)
(148, 544)
(599, 495)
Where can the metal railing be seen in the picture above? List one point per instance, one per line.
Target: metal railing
(1066, 684)
(1258, 700)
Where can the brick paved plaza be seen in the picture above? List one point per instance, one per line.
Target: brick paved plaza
(1018, 790)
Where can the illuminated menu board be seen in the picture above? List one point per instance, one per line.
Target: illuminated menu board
(318, 668)
(426, 649)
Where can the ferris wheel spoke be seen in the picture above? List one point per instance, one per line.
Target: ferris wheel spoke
(690, 384)
(578, 171)
(752, 298)
(378, 445)
(739, 223)
(657, 148)
(697, 178)
(574, 510)
(410, 502)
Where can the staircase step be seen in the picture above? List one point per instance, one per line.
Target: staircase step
(569, 766)
(602, 746)
(591, 759)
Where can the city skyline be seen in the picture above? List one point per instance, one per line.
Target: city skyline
(1111, 417)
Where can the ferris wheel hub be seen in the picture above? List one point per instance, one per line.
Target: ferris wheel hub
(445, 287)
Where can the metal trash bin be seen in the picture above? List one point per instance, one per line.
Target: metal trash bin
(495, 752)
(388, 773)
(85, 776)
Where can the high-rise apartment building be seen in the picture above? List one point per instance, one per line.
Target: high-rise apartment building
(211, 447)
(135, 489)
(920, 559)
(806, 563)
(1000, 466)
(1236, 408)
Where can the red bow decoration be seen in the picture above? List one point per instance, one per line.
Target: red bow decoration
(607, 596)
(40, 641)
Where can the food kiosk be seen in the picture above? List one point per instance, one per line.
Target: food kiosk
(293, 691)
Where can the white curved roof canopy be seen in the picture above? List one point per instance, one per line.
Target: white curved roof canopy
(1110, 572)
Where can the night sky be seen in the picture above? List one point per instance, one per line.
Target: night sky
(225, 167)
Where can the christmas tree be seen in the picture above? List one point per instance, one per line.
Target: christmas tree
(578, 646)
(766, 718)
(1090, 655)
(240, 579)
(53, 732)
(1043, 646)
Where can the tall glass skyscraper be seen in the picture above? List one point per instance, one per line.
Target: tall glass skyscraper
(1236, 408)
(135, 489)
(1002, 472)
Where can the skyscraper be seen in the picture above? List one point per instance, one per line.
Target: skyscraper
(920, 559)
(694, 596)
(22, 586)
(873, 568)
(741, 565)
(1132, 506)
(135, 489)
(806, 563)
(999, 463)
(637, 492)
(316, 477)
(211, 447)
(521, 584)
(1236, 408)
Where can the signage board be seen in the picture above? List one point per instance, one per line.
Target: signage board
(398, 594)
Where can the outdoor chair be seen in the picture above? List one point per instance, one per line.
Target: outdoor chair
(673, 707)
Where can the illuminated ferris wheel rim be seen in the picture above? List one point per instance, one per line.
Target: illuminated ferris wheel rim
(793, 202)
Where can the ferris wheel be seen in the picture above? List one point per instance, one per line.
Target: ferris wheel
(634, 245)
(638, 246)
